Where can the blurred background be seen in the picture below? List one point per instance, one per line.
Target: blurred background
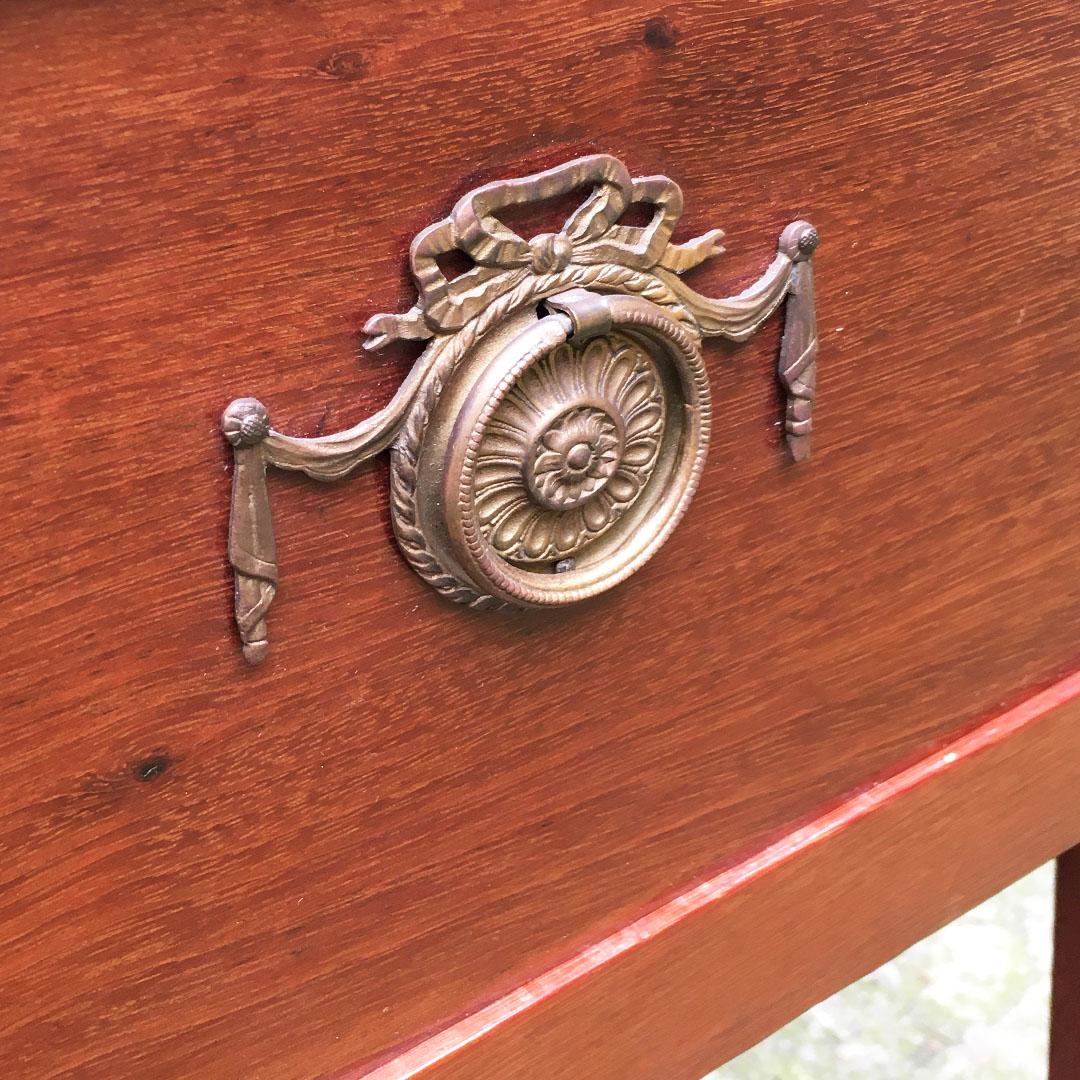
(972, 1000)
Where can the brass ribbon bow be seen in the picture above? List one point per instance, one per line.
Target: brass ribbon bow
(503, 259)
(589, 237)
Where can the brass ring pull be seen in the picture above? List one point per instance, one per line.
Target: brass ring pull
(573, 452)
(553, 432)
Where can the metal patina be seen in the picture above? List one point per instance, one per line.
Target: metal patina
(551, 435)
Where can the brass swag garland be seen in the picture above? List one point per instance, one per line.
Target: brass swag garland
(552, 433)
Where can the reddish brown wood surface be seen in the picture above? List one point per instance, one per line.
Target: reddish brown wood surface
(213, 871)
(1065, 1011)
(731, 959)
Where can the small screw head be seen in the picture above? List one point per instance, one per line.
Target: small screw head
(809, 241)
(799, 240)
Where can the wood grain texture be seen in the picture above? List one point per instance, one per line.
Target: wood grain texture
(732, 958)
(1065, 1005)
(212, 871)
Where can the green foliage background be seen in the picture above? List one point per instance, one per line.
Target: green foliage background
(970, 1001)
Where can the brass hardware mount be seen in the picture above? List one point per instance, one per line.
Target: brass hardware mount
(553, 432)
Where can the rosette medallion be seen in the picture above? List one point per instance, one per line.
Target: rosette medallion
(569, 448)
(554, 430)
(557, 460)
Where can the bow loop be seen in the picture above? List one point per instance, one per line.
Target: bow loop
(502, 259)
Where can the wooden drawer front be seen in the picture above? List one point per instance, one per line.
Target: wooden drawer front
(216, 870)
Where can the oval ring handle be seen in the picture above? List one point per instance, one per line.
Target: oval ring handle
(591, 485)
(581, 317)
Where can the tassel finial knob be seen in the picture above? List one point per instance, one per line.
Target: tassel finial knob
(245, 422)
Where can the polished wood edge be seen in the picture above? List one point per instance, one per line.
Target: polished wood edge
(935, 810)
(1065, 1006)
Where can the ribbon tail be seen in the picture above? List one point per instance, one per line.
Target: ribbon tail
(382, 329)
(252, 551)
(678, 258)
(797, 368)
(734, 317)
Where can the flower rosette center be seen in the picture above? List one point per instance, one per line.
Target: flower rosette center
(569, 449)
(574, 458)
